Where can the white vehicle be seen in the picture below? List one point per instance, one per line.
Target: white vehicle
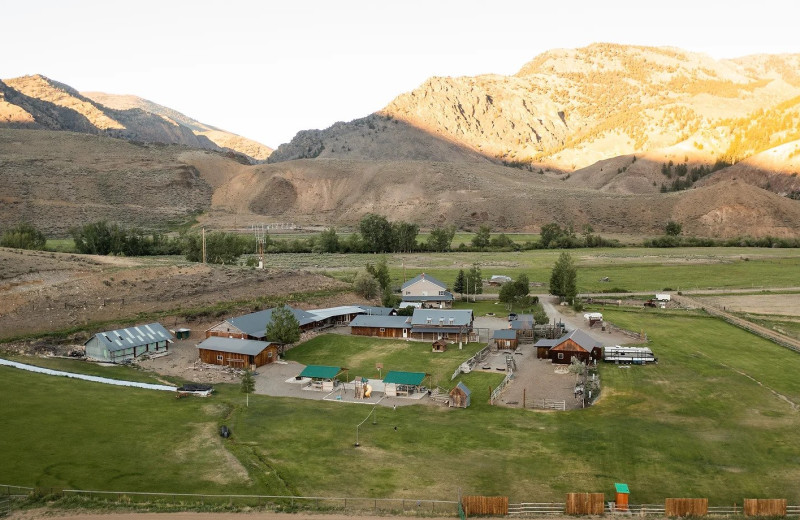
(629, 355)
(663, 297)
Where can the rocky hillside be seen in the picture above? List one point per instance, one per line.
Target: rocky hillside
(37, 102)
(591, 110)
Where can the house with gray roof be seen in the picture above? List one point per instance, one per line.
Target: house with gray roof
(433, 324)
(428, 291)
(576, 344)
(124, 345)
(381, 326)
(239, 353)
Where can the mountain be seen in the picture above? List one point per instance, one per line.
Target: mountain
(37, 102)
(590, 109)
(617, 137)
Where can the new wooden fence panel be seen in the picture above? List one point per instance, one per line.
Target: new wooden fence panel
(686, 506)
(585, 503)
(765, 507)
(480, 505)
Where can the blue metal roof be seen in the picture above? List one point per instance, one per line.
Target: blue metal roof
(442, 317)
(248, 347)
(387, 322)
(255, 323)
(131, 337)
(504, 334)
(463, 388)
(377, 311)
(424, 276)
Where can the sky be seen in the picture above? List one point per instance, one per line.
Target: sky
(266, 70)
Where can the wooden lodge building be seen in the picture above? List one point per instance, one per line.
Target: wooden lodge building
(254, 325)
(381, 326)
(125, 345)
(424, 324)
(505, 339)
(576, 344)
(238, 353)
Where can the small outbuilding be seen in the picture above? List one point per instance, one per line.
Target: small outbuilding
(398, 383)
(623, 492)
(239, 353)
(125, 345)
(505, 339)
(459, 396)
(182, 333)
(576, 344)
(439, 345)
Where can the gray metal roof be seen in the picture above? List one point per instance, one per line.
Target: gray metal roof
(549, 343)
(581, 338)
(442, 317)
(446, 297)
(424, 276)
(521, 325)
(255, 323)
(130, 337)
(248, 347)
(377, 311)
(331, 312)
(504, 334)
(386, 322)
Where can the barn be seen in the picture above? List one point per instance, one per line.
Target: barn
(124, 345)
(398, 383)
(254, 325)
(576, 344)
(460, 396)
(239, 353)
(505, 339)
(381, 326)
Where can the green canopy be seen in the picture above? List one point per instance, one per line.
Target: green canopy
(320, 372)
(621, 488)
(404, 378)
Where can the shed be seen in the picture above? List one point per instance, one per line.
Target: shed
(459, 396)
(125, 345)
(576, 344)
(321, 376)
(505, 339)
(234, 352)
(543, 347)
(439, 345)
(398, 383)
(182, 333)
(622, 496)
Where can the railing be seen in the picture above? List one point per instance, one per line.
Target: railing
(537, 508)
(474, 360)
(497, 391)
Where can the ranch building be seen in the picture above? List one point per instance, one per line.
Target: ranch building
(505, 339)
(125, 345)
(433, 324)
(459, 396)
(239, 353)
(543, 347)
(381, 326)
(427, 291)
(254, 325)
(576, 344)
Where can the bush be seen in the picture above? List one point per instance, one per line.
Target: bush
(24, 236)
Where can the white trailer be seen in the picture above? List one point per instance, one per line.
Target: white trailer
(663, 297)
(628, 355)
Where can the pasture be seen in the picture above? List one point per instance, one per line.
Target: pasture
(717, 417)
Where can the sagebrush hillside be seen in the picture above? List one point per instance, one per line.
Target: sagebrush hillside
(38, 102)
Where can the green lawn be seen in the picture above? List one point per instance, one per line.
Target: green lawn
(361, 354)
(713, 419)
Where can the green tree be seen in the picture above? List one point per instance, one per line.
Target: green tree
(673, 228)
(474, 280)
(440, 239)
(481, 239)
(24, 236)
(283, 328)
(564, 278)
(389, 298)
(221, 248)
(549, 233)
(248, 385)
(460, 283)
(328, 241)
(502, 241)
(516, 292)
(376, 232)
(366, 285)
(405, 236)
(381, 273)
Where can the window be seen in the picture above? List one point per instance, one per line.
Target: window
(383, 329)
(560, 355)
(219, 357)
(269, 354)
(451, 321)
(428, 320)
(441, 293)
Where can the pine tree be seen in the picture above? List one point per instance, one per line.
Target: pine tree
(283, 327)
(458, 286)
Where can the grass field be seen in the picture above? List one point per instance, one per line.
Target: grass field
(360, 355)
(713, 419)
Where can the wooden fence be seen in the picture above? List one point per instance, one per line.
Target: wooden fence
(480, 505)
(764, 507)
(686, 507)
(585, 503)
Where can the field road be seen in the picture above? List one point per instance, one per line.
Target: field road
(576, 321)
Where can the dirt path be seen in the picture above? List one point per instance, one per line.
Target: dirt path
(574, 321)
